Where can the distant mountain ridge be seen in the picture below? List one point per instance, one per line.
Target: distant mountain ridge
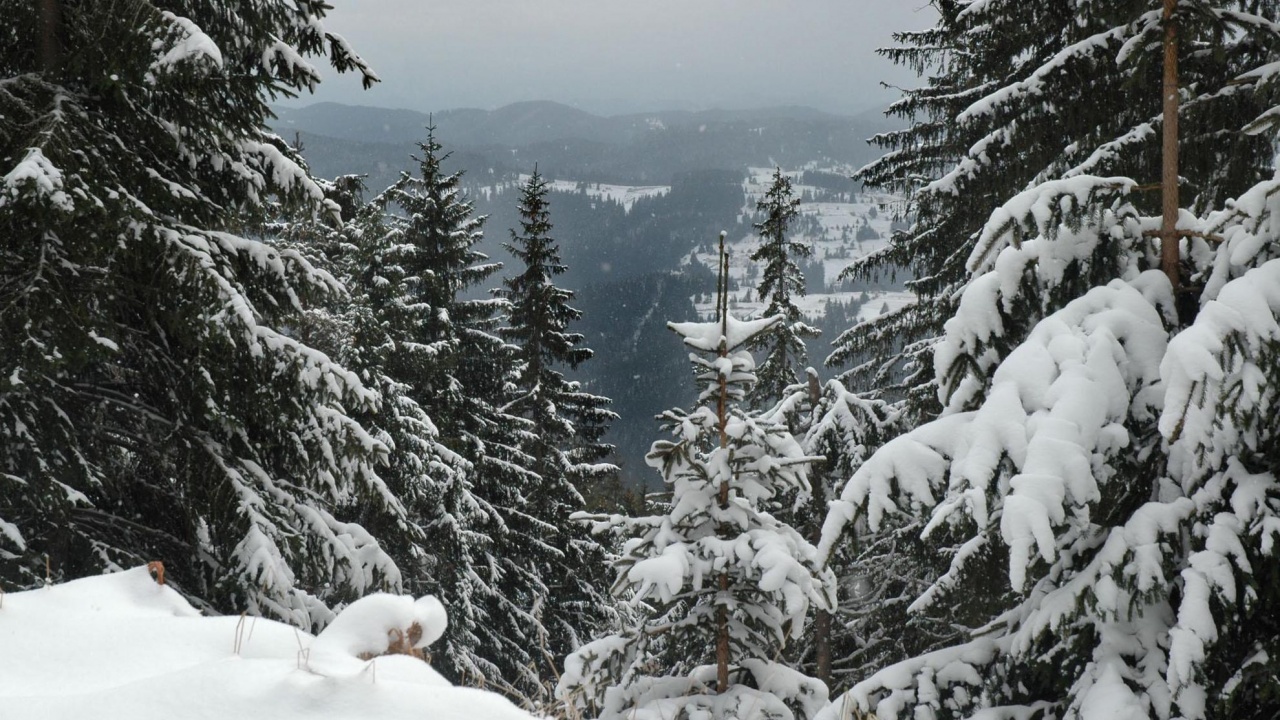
(518, 124)
(567, 143)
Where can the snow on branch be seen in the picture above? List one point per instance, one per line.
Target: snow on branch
(1034, 85)
(276, 170)
(1035, 451)
(1219, 419)
(1043, 208)
(1248, 226)
(35, 174)
(707, 336)
(1229, 330)
(190, 45)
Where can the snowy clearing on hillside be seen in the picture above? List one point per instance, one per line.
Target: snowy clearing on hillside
(121, 647)
(625, 195)
(840, 233)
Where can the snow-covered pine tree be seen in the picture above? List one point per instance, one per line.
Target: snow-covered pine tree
(975, 139)
(1109, 455)
(373, 330)
(445, 544)
(463, 374)
(723, 586)
(780, 281)
(565, 446)
(876, 571)
(153, 404)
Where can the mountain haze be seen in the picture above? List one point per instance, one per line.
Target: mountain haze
(646, 148)
(636, 201)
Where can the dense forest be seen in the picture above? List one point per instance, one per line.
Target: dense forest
(1043, 487)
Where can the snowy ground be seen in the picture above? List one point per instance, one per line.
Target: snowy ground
(626, 195)
(833, 235)
(121, 647)
(831, 226)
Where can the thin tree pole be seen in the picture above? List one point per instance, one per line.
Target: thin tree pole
(722, 611)
(822, 621)
(1169, 239)
(50, 35)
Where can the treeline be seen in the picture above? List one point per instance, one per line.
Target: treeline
(1047, 488)
(288, 393)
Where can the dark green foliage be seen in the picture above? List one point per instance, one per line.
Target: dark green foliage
(780, 281)
(461, 373)
(564, 445)
(955, 164)
(153, 404)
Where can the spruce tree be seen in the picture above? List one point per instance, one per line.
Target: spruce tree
(373, 330)
(781, 281)
(866, 627)
(725, 584)
(463, 374)
(154, 405)
(564, 445)
(1101, 475)
(975, 140)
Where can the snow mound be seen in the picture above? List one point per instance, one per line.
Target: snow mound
(121, 646)
(383, 624)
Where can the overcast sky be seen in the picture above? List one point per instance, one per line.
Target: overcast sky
(614, 56)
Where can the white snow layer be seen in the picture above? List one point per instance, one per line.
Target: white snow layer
(36, 173)
(192, 44)
(121, 647)
(1055, 410)
(706, 336)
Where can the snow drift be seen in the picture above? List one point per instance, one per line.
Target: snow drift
(122, 646)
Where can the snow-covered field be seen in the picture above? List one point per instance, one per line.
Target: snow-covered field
(831, 228)
(626, 195)
(122, 647)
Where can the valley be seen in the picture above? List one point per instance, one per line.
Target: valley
(637, 203)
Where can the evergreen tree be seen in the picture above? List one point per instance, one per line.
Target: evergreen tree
(463, 374)
(154, 405)
(866, 627)
(1101, 477)
(726, 585)
(373, 331)
(564, 447)
(975, 140)
(780, 282)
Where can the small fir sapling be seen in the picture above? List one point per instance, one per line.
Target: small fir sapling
(720, 583)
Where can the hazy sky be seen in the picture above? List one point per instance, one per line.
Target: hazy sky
(614, 56)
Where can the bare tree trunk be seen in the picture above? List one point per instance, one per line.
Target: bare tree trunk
(722, 612)
(822, 621)
(50, 35)
(1169, 259)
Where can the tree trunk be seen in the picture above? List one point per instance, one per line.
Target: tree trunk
(50, 36)
(722, 612)
(822, 622)
(1169, 257)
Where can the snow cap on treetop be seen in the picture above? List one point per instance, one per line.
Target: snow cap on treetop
(706, 336)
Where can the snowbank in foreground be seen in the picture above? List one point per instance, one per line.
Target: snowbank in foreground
(121, 646)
